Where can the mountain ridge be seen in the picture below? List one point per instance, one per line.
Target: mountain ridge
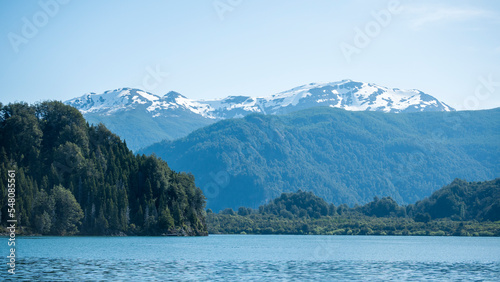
(173, 115)
(345, 94)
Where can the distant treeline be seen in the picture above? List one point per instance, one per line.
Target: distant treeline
(460, 208)
(72, 178)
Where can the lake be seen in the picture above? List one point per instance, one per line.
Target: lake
(255, 257)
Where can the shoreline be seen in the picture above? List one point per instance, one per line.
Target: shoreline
(4, 235)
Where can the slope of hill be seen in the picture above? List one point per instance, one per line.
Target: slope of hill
(128, 111)
(342, 156)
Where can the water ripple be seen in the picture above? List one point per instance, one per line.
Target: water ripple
(47, 269)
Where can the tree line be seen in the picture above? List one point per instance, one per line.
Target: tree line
(460, 208)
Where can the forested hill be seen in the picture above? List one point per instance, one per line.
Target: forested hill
(462, 200)
(461, 208)
(458, 201)
(72, 178)
(342, 156)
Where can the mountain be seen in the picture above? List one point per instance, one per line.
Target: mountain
(126, 111)
(142, 118)
(341, 156)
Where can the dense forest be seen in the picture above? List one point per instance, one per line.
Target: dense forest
(461, 208)
(72, 178)
(342, 156)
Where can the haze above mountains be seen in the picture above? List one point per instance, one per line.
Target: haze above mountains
(173, 115)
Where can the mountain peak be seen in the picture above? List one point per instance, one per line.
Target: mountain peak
(355, 96)
(346, 94)
(174, 115)
(112, 100)
(174, 94)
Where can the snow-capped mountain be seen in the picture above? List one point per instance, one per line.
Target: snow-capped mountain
(174, 115)
(353, 96)
(346, 94)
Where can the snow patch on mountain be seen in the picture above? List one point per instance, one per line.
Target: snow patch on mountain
(112, 100)
(346, 94)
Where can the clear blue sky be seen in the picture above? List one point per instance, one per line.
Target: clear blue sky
(251, 47)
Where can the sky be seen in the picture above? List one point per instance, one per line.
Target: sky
(206, 49)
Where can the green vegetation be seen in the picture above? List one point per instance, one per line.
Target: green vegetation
(472, 211)
(341, 156)
(72, 178)
(462, 200)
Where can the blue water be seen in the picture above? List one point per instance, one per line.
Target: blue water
(255, 258)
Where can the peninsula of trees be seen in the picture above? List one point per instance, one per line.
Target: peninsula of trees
(72, 178)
